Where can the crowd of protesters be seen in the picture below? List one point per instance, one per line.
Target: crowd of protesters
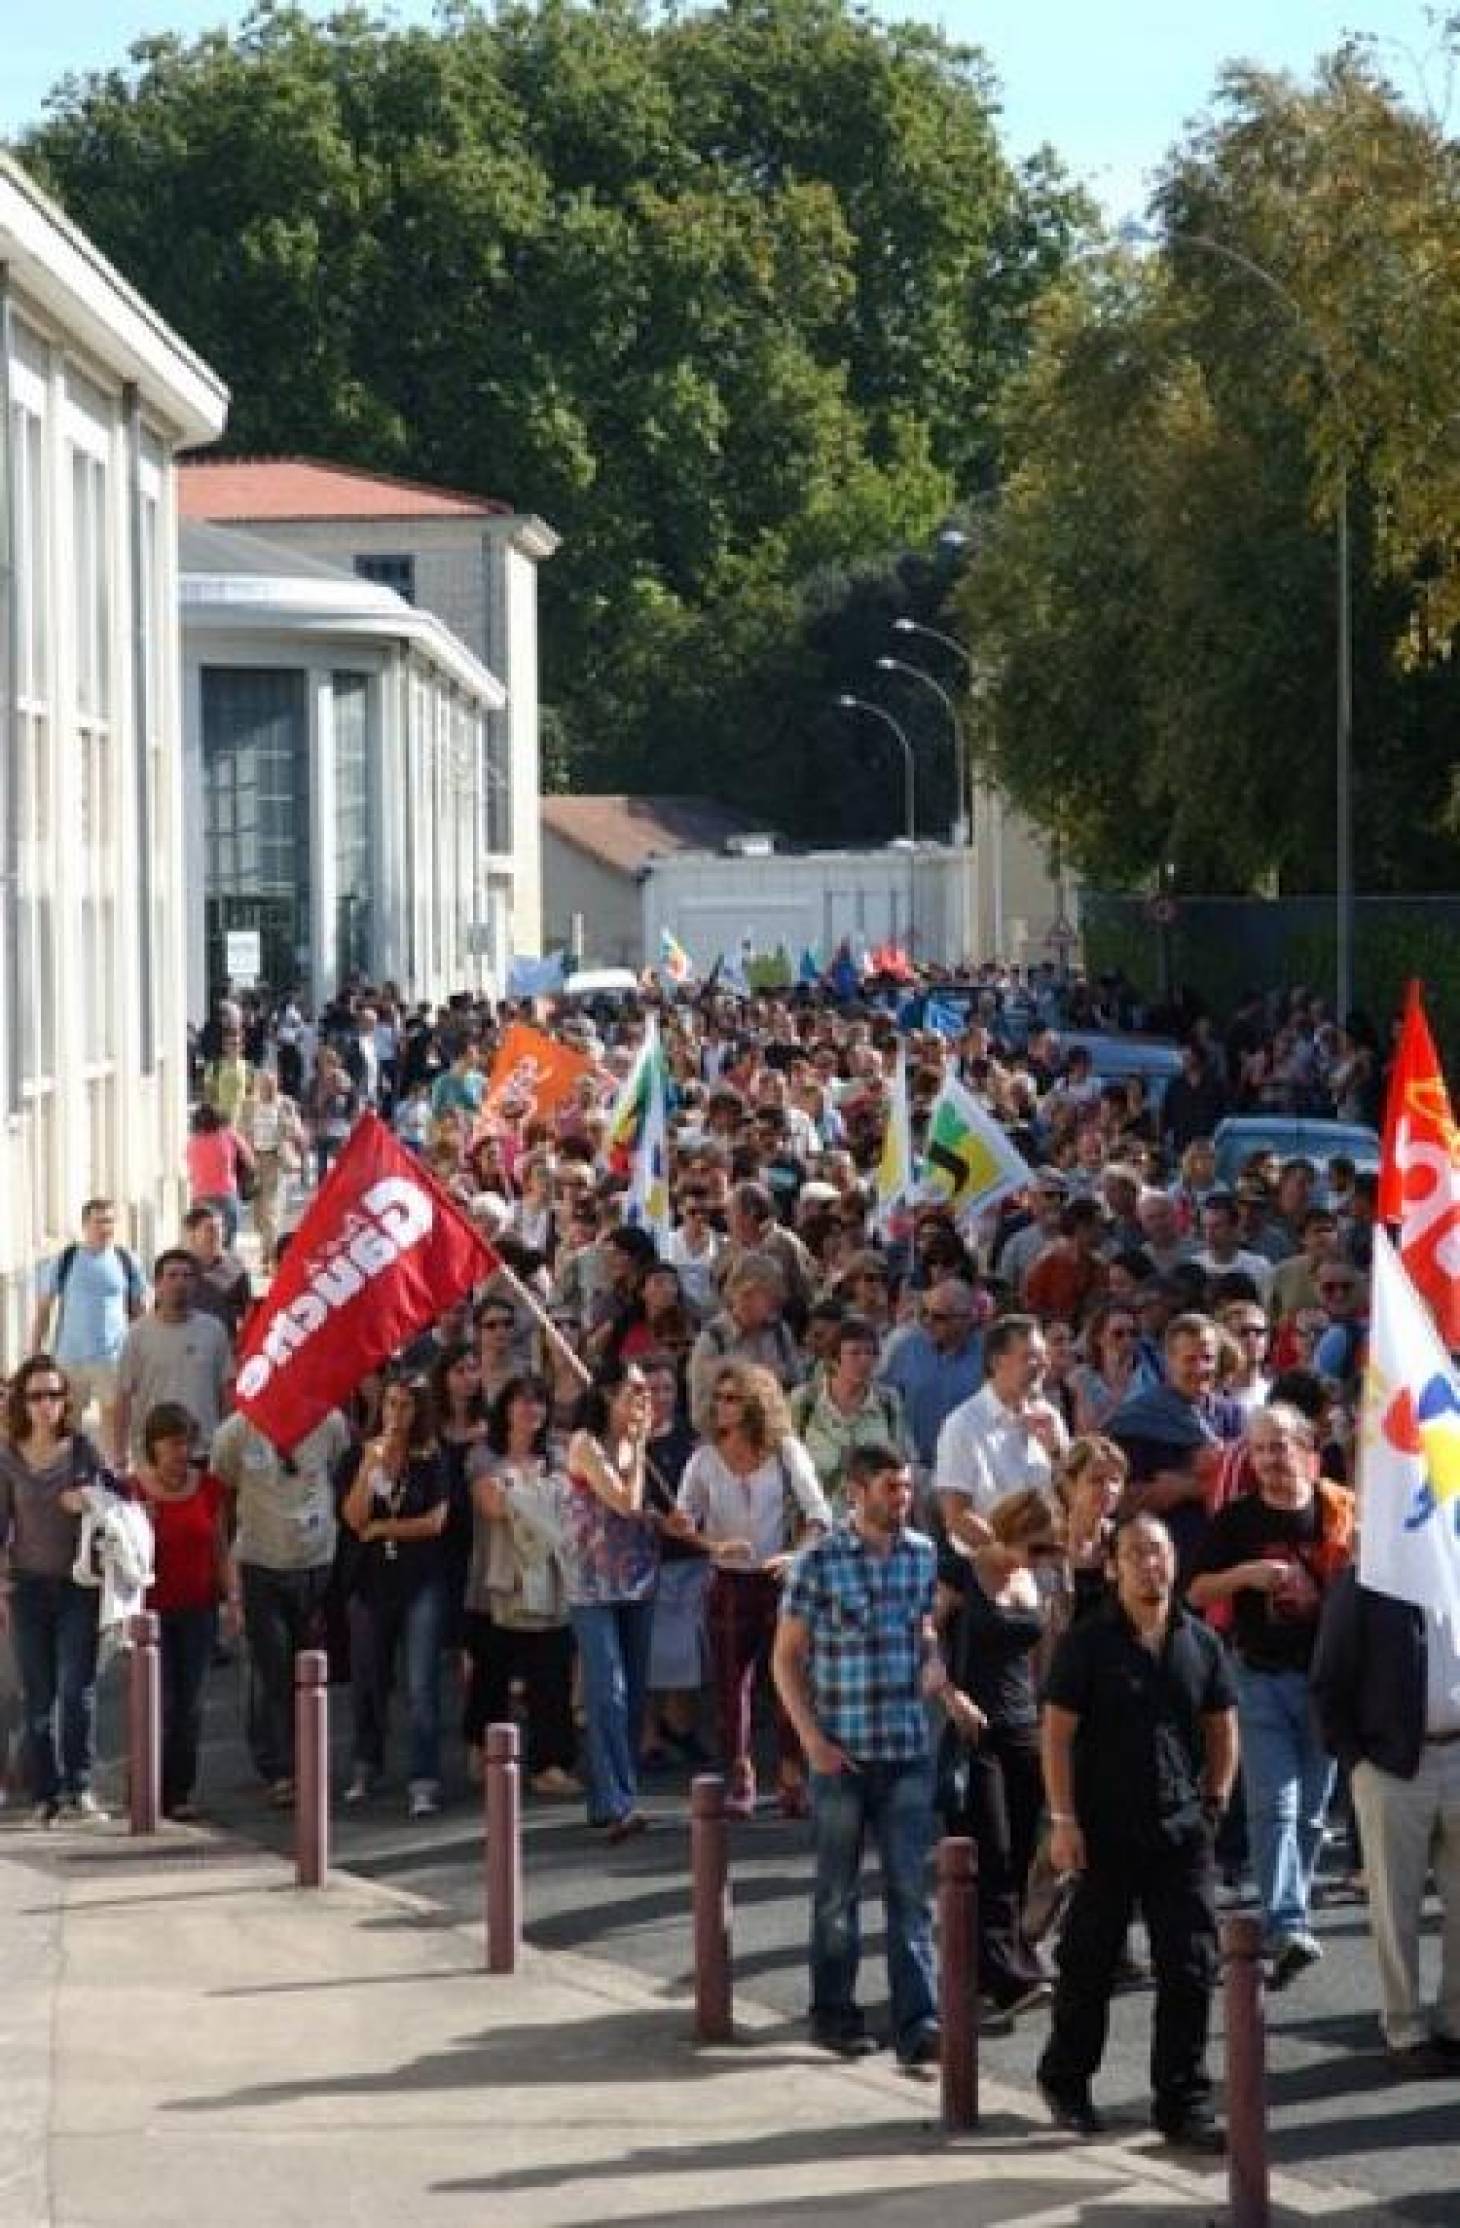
(786, 1482)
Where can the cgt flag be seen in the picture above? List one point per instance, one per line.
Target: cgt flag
(1409, 1461)
(969, 1162)
(381, 1253)
(1419, 1174)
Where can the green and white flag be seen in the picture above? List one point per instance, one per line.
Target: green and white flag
(969, 1161)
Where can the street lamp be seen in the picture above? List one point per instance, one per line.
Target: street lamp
(960, 745)
(1343, 856)
(968, 800)
(878, 711)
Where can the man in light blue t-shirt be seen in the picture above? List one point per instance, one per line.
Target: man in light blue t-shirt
(85, 1297)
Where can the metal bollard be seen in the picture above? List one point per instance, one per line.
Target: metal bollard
(709, 1861)
(1247, 2166)
(504, 1849)
(144, 1727)
(311, 1767)
(958, 1982)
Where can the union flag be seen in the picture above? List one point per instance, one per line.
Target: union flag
(1419, 1174)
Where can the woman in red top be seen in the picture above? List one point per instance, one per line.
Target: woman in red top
(190, 1550)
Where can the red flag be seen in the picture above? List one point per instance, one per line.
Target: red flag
(1419, 1174)
(381, 1253)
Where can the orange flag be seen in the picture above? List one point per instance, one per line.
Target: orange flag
(1419, 1174)
(534, 1070)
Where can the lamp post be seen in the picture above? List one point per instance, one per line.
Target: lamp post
(879, 712)
(968, 801)
(960, 745)
(1343, 856)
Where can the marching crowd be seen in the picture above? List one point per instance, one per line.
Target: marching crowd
(1040, 1527)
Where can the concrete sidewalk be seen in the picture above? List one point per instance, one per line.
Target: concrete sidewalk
(186, 2038)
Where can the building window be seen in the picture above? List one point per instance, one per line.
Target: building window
(256, 818)
(351, 698)
(499, 783)
(94, 794)
(398, 573)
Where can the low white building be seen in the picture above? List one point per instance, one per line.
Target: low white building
(345, 810)
(96, 396)
(596, 851)
(928, 898)
(466, 559)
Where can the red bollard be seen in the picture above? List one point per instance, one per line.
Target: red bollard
(709, 1843)
(504, 1849)
(1247, 2172)
(958, 1982)
(144, 1726)
(311, 1767)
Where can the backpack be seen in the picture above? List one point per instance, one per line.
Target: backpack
(67, 1263)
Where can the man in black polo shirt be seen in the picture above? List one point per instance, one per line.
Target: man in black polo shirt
(1140, 1750)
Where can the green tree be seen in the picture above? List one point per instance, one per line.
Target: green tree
(726, 295)
(1158, 603)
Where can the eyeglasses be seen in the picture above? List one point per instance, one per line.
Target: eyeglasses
(44, 1392)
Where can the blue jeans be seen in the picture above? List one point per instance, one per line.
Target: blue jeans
(414, 1622)
(55, 1652)
(187, 1650)
(1288, 1777)
(613, 1644)
(894, 1802)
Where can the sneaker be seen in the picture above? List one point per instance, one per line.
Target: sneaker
(425, 1802)
(83, 1809)
(43, 1815)
(1074, 2113)
(361, 1783)
(1196, 2130)
(925, 2049)
(1292, 1957)
(845, 2042)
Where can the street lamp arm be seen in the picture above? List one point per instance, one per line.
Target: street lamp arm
(933, 634)
(1204, 241)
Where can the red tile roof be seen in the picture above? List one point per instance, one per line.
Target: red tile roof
(248, 489)
(625, 832)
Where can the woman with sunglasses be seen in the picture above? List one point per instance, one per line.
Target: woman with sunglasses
(1108, 1373)
(396, 1507)
(753, 1495)
(517, 1610)
(46, 1465)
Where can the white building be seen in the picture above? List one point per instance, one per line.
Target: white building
(98, 394)
(469, 561)
(714, 901)
(595, 853)
(346, 809)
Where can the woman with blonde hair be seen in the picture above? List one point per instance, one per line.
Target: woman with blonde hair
(1088, 1486)
(752, 1492)
(272, 1127)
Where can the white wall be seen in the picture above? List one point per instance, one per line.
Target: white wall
(92, 1045)
(606, 899)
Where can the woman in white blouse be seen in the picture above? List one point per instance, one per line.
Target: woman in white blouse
(752, 1491)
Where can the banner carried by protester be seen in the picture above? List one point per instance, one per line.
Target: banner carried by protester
(895, 1167)
(969, 1162)
(1419, 1174)
(638, 1136)
(381, 1253)
(1409, 1442)
(532, 1073)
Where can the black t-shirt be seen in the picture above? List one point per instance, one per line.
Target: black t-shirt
(1138, 1746)
(992, 1657)
(393, 1570)
(1268, 1634)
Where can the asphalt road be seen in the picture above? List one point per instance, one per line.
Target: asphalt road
(1336, 2115)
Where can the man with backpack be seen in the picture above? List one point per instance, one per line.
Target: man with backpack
(86, 1295)
(842, 1408)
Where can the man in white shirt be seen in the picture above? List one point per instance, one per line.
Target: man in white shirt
(1007, 1437)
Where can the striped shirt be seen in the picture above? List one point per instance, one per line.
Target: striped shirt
(865, 1614)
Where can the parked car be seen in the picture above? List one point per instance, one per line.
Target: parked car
(1292, 1137)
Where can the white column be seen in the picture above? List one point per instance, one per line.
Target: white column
(323, 857)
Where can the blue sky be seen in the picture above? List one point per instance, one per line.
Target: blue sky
(1108, 82)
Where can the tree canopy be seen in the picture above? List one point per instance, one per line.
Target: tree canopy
(1157, 605)
(727, 296)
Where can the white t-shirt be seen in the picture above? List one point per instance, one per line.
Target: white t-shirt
(728, 1506)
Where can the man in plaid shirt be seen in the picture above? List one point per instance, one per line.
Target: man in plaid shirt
(856, 1656)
